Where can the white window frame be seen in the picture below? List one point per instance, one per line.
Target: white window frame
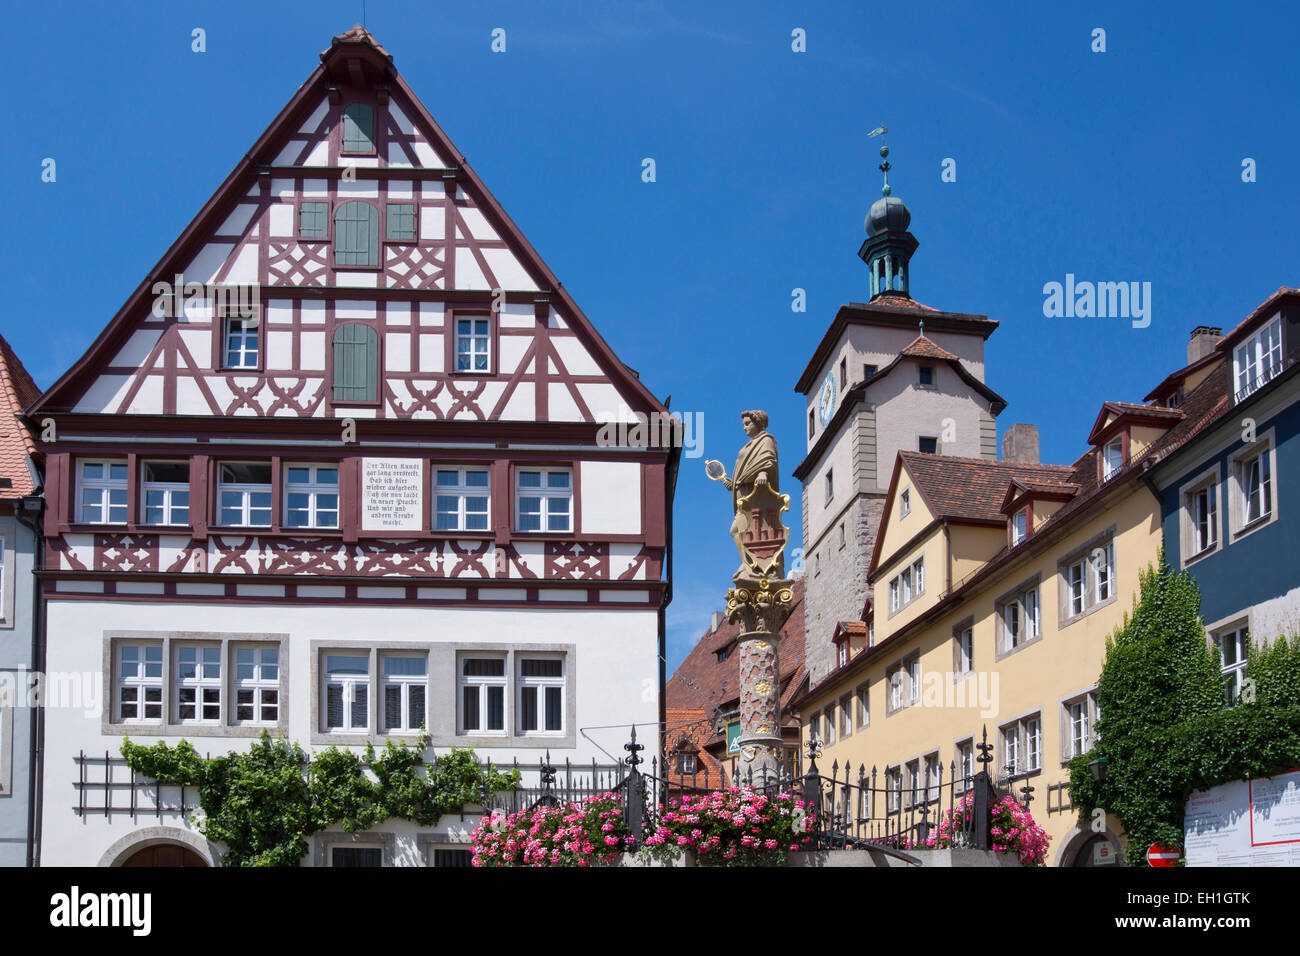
(539, 686)
(546, 493)
(245, 490)
(1112, 458)
(1256, 361)
(265, 690)
(141, 681)
(315, 490)
(348, 683)
(239, 332)
(404, 684)
(1021, 742)
(106, 486)
(905, 502)
(863, 699)
(1022, 608)
(894, 677)
(846, 716)
(1263, 451)
(479, 345)
(964, 649)
(964, 752)
(461, 490)
(205, 685)
(1082, 580)
(1102, 580)
(483, 682)
(1078, 725)
(912, 668)
(894, 592)
(829, 726)
(1234, 672)
(168, 489)
(1019, 526)
(893, 789)
(1206, 486)
(913, 791)
(931, 770)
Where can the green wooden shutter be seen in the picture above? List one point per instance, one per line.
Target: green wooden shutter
(356, 235)
(358, 129)
(356, 363)
(401, 220)
(313, 220)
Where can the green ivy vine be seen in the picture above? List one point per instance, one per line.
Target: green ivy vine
(265, 802)
(1164, 729)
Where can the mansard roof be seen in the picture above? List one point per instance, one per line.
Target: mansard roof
(354, 59)
(17, 391)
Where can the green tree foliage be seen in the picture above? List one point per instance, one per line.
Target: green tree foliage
(264, 803)
(1164, 729)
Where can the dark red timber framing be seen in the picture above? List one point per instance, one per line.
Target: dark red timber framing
(156, 387)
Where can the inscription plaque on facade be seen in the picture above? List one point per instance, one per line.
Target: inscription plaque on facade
(392, 494)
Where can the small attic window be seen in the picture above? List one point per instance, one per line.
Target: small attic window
(1019, 526)
(905, 502)
(358, 128)
(1112, 462)
(925, 376)
(722, 655)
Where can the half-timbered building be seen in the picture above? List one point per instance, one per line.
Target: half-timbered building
(335, 470)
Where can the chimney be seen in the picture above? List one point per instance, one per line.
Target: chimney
(1020, 444)
(717, 621)
(1204, 339)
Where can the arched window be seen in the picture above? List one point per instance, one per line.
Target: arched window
(358, 128)
(356, 234)
(356, 363)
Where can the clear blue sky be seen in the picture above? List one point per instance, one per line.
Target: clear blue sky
(1123, 165)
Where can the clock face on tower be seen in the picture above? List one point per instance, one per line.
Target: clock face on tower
(826, 399)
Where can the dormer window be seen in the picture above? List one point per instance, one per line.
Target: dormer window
(1258, 360)
(1019, 527)
(1112, 462)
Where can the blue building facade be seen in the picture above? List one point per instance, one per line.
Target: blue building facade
(1230, 499)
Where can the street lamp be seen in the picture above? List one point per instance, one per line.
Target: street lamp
(1098, 768)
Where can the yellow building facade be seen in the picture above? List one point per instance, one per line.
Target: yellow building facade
(995, 585)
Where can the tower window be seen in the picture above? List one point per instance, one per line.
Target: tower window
(928, 446)
(844, 371)
(812, 423)
(868, 371)
(925, 377)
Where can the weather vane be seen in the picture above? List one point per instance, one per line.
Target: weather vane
(885, 166)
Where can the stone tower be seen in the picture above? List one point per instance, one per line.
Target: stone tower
(888, 375)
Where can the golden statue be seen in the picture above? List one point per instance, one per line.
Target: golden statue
(757, 502)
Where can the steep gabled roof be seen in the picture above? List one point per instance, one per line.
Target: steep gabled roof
(921, 347)
(964, 490)
(1248, 324)
(17, 391)
(1130, 413)
(892, 311)
(355, 55)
